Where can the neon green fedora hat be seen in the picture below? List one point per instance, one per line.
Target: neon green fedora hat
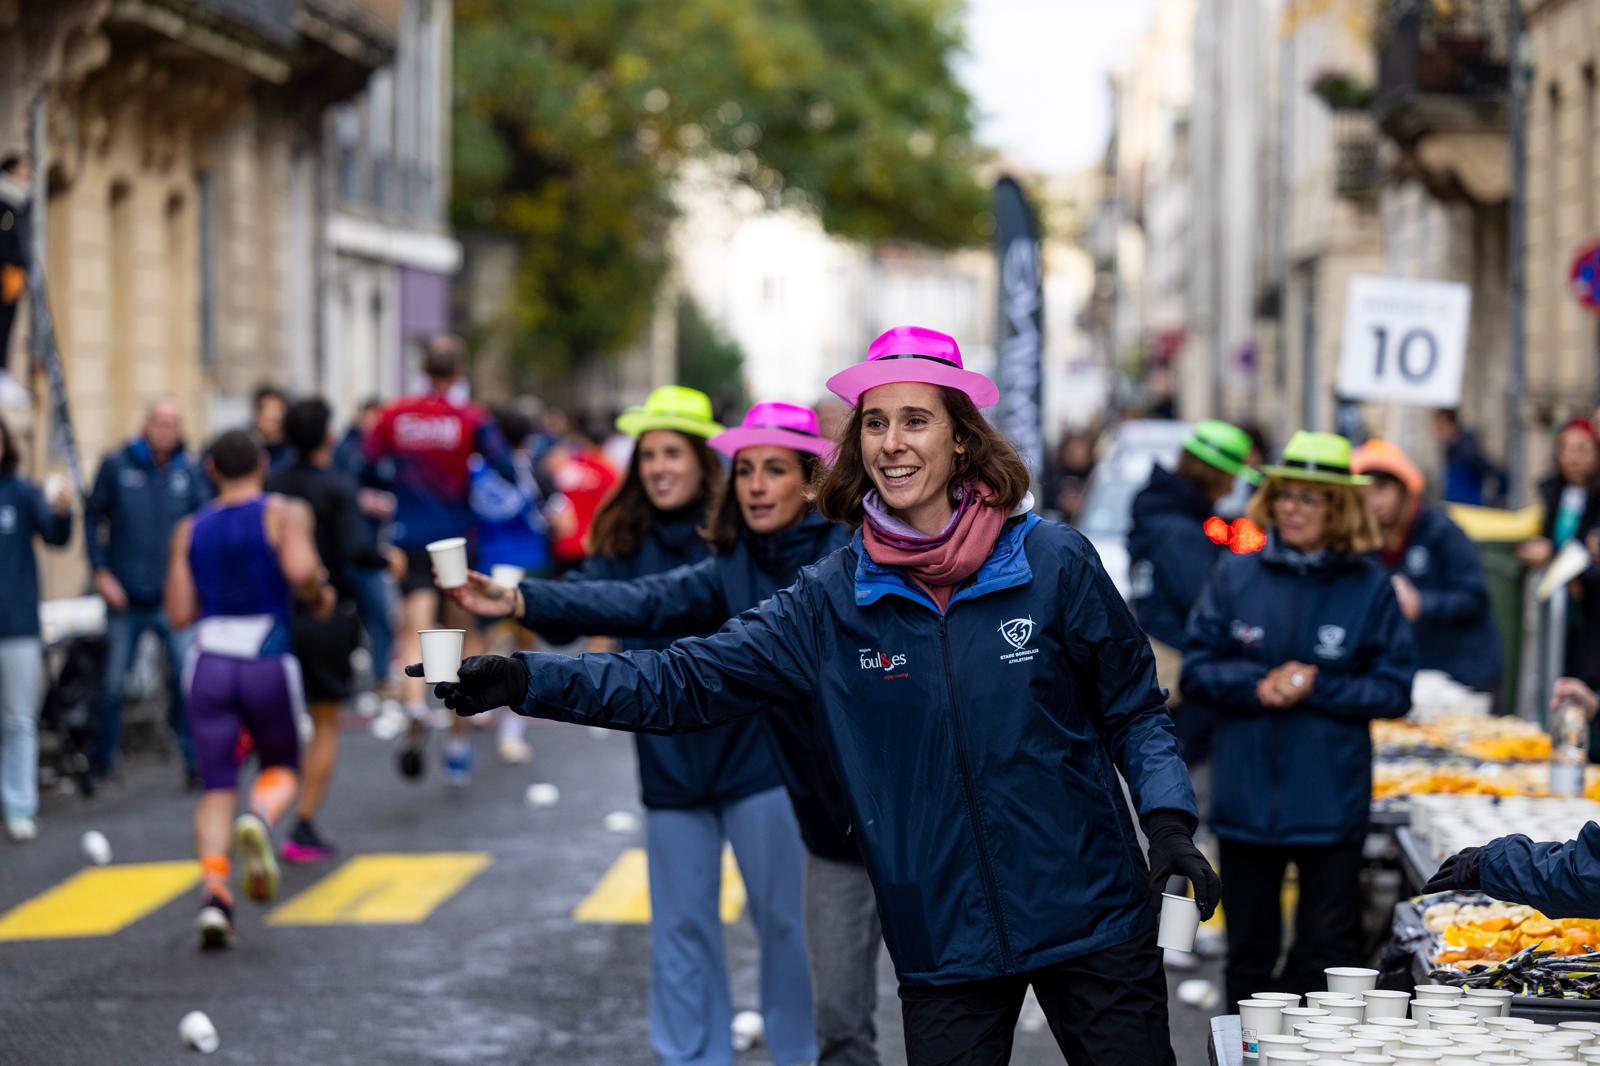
(1224, 446)
(1323, 457)
(671, 407)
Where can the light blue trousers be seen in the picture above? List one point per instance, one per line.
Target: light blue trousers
(21, 673)
(690, 1008)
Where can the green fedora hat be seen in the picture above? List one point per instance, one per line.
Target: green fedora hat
(671, 407)
(1224, 446)
(1323, 457)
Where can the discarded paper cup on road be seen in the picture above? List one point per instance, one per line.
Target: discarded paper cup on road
(197, 1032)
(96, 847)
(506, 575)
(543, 794)
(441, 654)
(449, 562)
(1257, 1018)
(1180, 920)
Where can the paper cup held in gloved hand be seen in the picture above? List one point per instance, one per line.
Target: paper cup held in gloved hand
(441, 654)
(449, 562)
(1180, 920)
(507, 575)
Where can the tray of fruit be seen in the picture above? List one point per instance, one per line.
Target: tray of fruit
(1487, 739)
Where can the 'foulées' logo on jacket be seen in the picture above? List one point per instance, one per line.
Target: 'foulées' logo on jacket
(1330, 642)
(1017, 633)
(1245, 633)
(882, 660)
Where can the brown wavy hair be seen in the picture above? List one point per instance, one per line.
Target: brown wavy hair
(1351, 528)
(622, 521)
(987, 457)
(725, 519)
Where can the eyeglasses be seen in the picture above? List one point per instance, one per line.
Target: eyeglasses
(1310, 499)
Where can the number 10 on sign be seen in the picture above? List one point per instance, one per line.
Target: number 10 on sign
(1405, 341)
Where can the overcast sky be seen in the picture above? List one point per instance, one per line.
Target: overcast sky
(1038, 70)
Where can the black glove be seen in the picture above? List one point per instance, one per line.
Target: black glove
(1458, 873)
(1172, 851)
(487, 682)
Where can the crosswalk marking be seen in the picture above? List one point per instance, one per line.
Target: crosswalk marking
(382, 889)
(99, 902)
(623, 895)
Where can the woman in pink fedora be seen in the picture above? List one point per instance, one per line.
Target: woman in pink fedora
(761, 529)
(979, 685)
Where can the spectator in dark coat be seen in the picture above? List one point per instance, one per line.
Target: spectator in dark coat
(1571, 499)
(1469, 476)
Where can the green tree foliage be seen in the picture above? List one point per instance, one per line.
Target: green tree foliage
(572, 116)
(708, 361)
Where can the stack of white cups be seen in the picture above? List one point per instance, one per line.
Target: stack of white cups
(1355, 1023)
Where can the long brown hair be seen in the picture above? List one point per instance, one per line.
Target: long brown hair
(1351, 527)
(986, 456)
(725, 519)
(621, 523)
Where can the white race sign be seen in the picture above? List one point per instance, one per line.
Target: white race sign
(1404, 341)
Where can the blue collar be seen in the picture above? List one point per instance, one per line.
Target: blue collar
(139, 448)
(1006, 567)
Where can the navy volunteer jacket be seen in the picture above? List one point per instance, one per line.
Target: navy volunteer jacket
(1455, 632)
(1170, 554)
(24, 514)
(1562, 880)
(713, 768)
(978, 748)
(1301, 775)
(697, 599)
(130, 513)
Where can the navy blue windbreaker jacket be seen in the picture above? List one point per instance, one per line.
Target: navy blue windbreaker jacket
(1169, 554)
(696, 599)
(24, 514)
(130, 513)
(1562, 880)
(713, 768)
(979, 749)
(1455, 632)
(1302, 775)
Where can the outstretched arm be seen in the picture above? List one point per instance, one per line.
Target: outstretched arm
(1562, 880)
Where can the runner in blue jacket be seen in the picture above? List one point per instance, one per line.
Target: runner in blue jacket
(1298, 647)
(979, 682)
(762, 530)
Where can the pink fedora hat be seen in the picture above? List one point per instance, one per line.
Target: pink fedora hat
(782, 425)
(912, 353)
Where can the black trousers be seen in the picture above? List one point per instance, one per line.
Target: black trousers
(1105, 1009)
(1327, 922)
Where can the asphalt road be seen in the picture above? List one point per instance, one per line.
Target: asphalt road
(498, 971)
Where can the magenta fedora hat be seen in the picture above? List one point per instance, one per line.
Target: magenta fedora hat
(781, 425)
(912, 353)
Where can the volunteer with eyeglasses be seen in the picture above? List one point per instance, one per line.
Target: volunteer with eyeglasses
(980, 683)
(1298, 647)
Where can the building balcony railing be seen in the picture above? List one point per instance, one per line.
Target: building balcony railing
(1355, 153)
(1442, 66)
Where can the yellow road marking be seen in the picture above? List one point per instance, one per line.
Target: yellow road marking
(382, 889)
(623, 895)
(99, 902)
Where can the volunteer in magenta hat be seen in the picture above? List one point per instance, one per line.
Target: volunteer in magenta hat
(1170, 556)
(1435, 569)
(761, 528)
(980, 685)
(1298, 647)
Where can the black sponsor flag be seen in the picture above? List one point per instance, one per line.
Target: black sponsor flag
(1020, 338)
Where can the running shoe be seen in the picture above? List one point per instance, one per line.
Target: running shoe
(458, 762)
(412, 764)
(306, 845)
(254, 841)
(22, 828)
(215, 925)
(515, 751)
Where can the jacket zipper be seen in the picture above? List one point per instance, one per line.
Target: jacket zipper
(991, 887)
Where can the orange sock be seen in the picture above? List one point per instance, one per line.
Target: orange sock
(216, 870)
(273, 792)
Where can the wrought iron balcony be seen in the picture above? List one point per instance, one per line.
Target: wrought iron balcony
(1442, 66)
(1355, 147)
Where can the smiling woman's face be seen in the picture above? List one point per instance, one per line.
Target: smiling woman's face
(770, 485)
(909, 448)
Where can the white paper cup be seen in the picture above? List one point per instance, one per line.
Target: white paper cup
(1258, 1017)
(1386, 1003)
(449, 562)
(1180, 920)
(1354, 979)
(1288, 999)
(54, 485)
(1273, 1045)
(441, 654)
(197, 1032)
(507, 575)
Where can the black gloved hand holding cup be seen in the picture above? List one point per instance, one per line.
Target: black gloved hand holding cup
(1172, 851)
(486, 682)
